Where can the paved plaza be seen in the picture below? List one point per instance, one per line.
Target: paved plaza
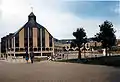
(48, 71)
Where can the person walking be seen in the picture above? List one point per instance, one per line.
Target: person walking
(32, 56)
(27, 56)
(63, 56)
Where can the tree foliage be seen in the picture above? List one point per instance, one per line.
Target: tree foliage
(81, 38)
(106, 35)
(73, 45)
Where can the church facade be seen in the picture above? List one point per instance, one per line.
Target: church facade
(32, 37)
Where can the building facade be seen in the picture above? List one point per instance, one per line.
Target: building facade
(32, 37)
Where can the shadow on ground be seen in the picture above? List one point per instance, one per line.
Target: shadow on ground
(108, 61)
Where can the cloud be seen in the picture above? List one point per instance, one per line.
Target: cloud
(62, 25)
(117, 9)
(50, 14)
(0, 9)
(117, 29)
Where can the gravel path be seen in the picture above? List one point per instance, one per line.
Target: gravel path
(46, 71)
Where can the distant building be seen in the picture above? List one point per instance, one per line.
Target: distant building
(32, 37)
(118, 42)
(66, 43)
(60, 45)
(93, 44)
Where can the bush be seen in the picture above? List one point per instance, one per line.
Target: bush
(40, 59)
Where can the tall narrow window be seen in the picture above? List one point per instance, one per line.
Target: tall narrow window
(25, 37)
(38, 37)
(50, 41)
(17, 40)
(31, 37)
(43, 37)
(10, 42)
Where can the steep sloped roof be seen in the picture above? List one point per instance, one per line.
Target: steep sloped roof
(31, 14)
(31, 23)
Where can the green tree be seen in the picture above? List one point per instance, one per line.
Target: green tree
(106, 35)
(80, 36)
(72, 44)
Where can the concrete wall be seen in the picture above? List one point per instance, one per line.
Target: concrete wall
(46, 39)
(35, 36)
(21, 38)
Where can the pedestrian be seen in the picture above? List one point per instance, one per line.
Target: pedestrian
(6, 56)
(32, 56)
(63, 55)
(27, 56)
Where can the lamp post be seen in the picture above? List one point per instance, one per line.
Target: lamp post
(14, 46)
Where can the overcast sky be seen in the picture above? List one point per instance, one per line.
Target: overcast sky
(61, 18)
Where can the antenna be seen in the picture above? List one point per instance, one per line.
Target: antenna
(32, 9)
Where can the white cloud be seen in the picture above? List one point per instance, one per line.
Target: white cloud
(59, 24)
(117, 29)
(117, 9)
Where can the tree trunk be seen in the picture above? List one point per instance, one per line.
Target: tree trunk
(110, 51)
(84, 50)
(106, 51)
(79, 55)
(84, 54)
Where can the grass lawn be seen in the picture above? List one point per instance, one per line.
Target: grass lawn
(109, 61)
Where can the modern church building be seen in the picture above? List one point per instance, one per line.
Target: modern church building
(32, 37)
